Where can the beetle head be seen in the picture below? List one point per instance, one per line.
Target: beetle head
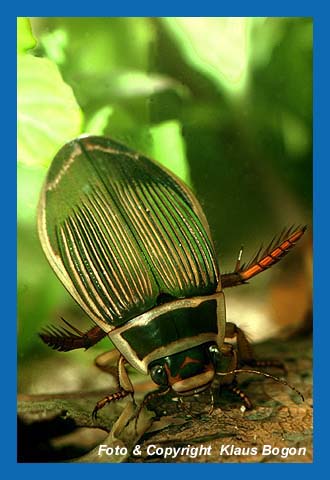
(188, 372)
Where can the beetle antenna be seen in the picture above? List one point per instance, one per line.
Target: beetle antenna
(267, 375)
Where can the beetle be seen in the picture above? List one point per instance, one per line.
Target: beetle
(130, 242)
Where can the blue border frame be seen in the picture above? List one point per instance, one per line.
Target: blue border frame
(320, 182)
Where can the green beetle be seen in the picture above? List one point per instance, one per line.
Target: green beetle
(131, 244)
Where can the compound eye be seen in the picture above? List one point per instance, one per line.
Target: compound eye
(215, 354)
(158, 375)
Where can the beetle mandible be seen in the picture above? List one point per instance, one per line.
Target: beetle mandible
(131, 244)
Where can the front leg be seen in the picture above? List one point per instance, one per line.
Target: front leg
(124, 385)
(229, 380)
(240, 356)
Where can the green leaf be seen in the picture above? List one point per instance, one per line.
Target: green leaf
(55, 44)
(217, 47)
(169, 148)
(25, 38)
(29, 183)
(48, 114)
(138, 83)
(99, 121)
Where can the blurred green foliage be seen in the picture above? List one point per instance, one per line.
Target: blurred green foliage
(226, 103)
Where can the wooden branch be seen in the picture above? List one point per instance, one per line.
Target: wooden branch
(60, 427)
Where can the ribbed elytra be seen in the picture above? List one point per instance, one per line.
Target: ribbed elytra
(131, 244)
(120, 231)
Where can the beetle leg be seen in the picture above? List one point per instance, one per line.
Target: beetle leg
(108, 399)
(212, 402)
(125, 386)
(245, 399)
(229, 381)
(228, 350)
(124, 380)
(269, 363)
(108, 363)
(183, 406)
(245, 350)
(64, 340)
(264, 259)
